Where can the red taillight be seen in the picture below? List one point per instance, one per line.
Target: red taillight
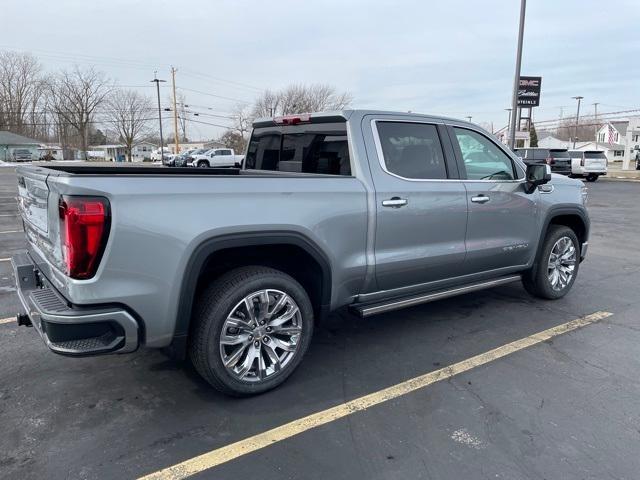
(293, 119)
(550, 160)
(84, 228)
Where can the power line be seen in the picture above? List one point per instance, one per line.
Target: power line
(214, 95)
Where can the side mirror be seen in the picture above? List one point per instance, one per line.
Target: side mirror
(537, 174)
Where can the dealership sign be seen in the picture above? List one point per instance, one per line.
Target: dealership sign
(529, 91)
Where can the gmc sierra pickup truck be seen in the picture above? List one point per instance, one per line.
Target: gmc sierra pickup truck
(369, 210)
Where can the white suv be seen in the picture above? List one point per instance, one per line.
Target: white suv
(588, 163)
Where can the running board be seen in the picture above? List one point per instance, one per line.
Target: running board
(368, 309)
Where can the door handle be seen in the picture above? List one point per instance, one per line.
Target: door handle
(480, 199)
(395, 202)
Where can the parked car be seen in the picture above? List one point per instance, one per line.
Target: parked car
(635, 155)
(181, 160)
(372, 210)
(558, 158)
(588, 163)
(22, 155)
(165, 155)
(217, 157)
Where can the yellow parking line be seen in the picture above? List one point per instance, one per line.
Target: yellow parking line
(7, 320)
(248, 445)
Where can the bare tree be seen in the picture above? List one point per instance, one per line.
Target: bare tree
(75, 95)
(129, 113)
(300, 99)
(242, 119)
(21, 93)
(233, 139)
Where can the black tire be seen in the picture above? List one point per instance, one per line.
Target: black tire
(536, 281)
(592, 177)
(203, 164)
(217, 301)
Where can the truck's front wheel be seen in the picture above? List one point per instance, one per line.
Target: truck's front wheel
(252, 327)
(557, 264)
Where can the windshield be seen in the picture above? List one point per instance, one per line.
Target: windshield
(559, 154)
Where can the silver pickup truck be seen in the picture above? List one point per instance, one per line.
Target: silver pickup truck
(369, 210)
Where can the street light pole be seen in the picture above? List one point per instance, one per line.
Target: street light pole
(577, 119)
(468, 117)
(509, 122)
(175, 112)
(516, 80)
(157, 82)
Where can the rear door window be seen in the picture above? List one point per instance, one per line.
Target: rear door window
(321, 149)
(412, 150)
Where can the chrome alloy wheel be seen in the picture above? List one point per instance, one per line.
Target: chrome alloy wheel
(562, 263)
(261, 335)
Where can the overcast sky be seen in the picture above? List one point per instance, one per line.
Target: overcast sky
(453, 57)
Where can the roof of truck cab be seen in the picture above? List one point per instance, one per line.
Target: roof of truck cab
(334, 115)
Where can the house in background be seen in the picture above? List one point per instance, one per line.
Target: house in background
(620, 140)
(523, 139)
(547, 140)
(118, 152)
(16, 147)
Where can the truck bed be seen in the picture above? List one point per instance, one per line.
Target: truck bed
(132, 169)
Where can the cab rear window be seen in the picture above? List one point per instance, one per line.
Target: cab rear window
(319, 148)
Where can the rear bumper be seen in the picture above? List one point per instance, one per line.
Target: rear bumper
(68, 329)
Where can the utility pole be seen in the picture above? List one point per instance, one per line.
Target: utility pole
(509, 122)
(468, 117)
(157, 82)
(175, 112)
(595, 116)
(516, 80)
(577, 119)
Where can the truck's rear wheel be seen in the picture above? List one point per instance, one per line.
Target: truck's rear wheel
(592, 177)
(557, 264)
(252, 327)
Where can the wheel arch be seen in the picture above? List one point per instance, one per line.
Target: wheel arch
(574, 217)
(229, 246)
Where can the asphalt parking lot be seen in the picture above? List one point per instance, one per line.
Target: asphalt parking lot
(566, 407)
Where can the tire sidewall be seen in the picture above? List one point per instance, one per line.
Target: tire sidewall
(543, 278)
(216, 316)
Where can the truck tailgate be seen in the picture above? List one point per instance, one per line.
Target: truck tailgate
(38, 206)
(33, 195)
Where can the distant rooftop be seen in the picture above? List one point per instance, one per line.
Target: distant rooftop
(10, 138)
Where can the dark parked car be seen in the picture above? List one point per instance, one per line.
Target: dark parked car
(181, 160)
(558, 158)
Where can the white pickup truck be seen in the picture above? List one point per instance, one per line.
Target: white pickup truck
(217, 157)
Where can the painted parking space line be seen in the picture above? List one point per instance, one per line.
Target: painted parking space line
(257, 442)
(9, 214)
(12, 231)
(4, 259)
(7, 320)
